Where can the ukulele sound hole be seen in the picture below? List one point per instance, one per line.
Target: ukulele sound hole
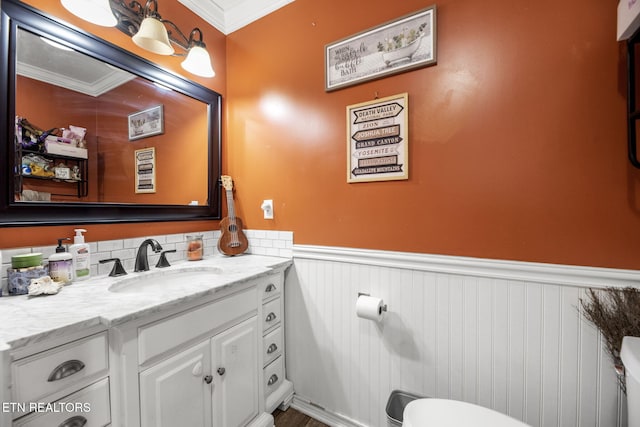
(233, 228)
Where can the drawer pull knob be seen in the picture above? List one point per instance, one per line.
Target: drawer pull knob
(65, 369)
(208, 379)
(77, 421)
(273, 347)
(271, 317)
(221, 371)
(270, 288)
(272, 379)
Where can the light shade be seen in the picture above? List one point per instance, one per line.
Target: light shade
(153, 37)
(198, 62)
(95, 11)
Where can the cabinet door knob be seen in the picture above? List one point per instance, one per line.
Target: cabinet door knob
(270, 288)
(221, 371)
(273, 347)
(271, 317)
(272, 379)
(208, 379)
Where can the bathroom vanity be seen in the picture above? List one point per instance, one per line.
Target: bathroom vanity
(197, 344)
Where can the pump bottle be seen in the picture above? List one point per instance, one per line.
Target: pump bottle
(61, 264)
(81, 256)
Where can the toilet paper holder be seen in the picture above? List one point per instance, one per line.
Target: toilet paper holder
(383, 308)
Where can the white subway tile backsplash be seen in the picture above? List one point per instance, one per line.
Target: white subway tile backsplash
(110, 245)
(262, 242)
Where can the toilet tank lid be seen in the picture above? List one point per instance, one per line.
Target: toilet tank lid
(445, 412)
(630, 355)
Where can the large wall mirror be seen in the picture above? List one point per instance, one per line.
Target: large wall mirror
(93, 134)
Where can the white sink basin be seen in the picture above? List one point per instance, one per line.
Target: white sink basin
(157, 280)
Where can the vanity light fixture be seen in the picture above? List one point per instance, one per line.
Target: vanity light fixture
(95, 11)
(149, 31)
(198, 61)
(152, 34)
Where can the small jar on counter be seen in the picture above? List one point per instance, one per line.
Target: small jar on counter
(194, 247)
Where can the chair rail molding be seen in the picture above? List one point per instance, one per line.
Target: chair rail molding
(557, 274)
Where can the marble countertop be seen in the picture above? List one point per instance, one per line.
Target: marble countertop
(25, 320)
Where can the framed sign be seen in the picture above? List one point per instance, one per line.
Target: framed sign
(393, 47)
(145, 161)
(146, 123)
(377, 133)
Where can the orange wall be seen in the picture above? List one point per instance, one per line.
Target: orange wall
(517, 135)
(179, 149)
(216, 45)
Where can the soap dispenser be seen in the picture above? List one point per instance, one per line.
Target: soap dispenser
(61, 264)
(81, 256)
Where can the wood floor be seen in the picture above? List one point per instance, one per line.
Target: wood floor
(293, 418)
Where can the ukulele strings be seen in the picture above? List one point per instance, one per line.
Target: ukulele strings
(233, 227)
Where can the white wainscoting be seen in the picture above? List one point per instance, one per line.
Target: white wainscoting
(505, 335)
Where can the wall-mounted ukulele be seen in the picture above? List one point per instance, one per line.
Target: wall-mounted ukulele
(232, 241)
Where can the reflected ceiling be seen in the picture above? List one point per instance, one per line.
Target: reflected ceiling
(69, 69)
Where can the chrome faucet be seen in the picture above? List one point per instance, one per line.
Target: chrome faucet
(142, 261)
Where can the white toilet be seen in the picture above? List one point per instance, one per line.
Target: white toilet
(630, 355)
(453, 413)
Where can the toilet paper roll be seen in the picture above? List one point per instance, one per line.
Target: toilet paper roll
(370, 308)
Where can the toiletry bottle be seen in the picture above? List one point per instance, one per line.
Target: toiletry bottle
(80, 252)
(61, 264)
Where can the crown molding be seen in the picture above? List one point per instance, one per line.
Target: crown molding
(228, 20)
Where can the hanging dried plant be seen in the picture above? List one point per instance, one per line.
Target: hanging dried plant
(616, 313)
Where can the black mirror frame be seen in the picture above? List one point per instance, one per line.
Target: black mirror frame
(12, 213)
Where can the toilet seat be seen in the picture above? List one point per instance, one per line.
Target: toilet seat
(453, 413)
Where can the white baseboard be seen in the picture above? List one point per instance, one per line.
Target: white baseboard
(319, 413)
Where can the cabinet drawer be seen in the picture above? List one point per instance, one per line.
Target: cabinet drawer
(272, 346)
(75, 364)
(273, 376)
(89, 406)
(271, 286)
(271, 314)
(159, 337)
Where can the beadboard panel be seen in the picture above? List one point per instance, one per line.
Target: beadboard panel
(474, 330)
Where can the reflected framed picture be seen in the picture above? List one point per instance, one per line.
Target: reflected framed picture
(145, 161)
(403, 44)
(145, 123)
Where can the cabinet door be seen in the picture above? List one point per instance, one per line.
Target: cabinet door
(235, 366)
(174, 392)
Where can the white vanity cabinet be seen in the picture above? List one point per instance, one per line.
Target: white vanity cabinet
(173, 392)
(212, 383)
(199, 366)
(63, 382)
(278, 391)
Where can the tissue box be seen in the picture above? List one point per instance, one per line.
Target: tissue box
(59, 146)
